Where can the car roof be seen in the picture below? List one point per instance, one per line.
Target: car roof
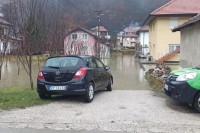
(80, 56)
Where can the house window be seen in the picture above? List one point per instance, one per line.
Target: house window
(74, 36)
(173, 23)
(71, 47)
(84, 37)
(173, 47)
(85, 49)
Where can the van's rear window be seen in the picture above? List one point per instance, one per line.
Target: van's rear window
(64, 62)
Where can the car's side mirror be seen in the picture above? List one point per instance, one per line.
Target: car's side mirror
(107, 68)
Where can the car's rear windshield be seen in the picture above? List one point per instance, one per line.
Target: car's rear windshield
(62, 62)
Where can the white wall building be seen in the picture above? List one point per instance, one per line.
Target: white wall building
(129, 40)
(5, 45)
(143, 39)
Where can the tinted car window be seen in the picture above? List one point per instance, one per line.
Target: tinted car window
(99, 63)
(92, 63)
(63, 62)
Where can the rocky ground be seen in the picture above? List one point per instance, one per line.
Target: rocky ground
(128, 110)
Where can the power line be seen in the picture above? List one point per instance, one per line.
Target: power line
(79, 9)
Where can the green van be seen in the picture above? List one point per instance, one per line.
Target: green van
(184, 86)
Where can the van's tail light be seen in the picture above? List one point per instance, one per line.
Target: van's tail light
(80, 73)
(40, 75)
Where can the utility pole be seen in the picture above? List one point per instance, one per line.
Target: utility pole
(98, 13)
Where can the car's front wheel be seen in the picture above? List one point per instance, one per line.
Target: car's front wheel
(90, 93)
(110, 82)
(44, 96)
(197, 102)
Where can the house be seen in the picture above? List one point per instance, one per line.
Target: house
(82, 42)
(5, 42)
(127, 38)
(164, 44)
(100, 31)
(190, 42)
(120, 36)
(143, 39)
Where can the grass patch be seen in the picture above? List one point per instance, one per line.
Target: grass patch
(156, 83)
(19, 98)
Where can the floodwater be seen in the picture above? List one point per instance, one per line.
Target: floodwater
(10, 77)
(127, 73)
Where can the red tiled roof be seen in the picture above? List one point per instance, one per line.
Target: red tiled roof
(131, 35)
(101, 28)
(179, 7)
(188, 23)
(2, 21)
(131, 29)
(144, 28)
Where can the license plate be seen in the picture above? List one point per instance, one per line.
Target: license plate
(57, 88)
(166, 87)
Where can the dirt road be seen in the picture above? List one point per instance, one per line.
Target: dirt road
(128, 110)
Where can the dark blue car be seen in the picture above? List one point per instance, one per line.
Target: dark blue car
(73, 75)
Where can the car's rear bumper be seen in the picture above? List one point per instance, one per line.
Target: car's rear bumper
(73, 88)
(180, 91)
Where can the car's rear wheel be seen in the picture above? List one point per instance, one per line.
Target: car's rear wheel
(109, 87)
(44, 96)
(90, 93)
(197, 102)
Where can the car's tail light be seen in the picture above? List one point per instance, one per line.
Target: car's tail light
(63, 56)
(40, 75)
(80, 73)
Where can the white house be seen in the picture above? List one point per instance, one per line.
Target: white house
(101, 30)
(129, 40)
(5, 45)
(120, 36)
(143, 39)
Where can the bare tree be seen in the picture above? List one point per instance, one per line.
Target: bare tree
(27, 19)
(41, 26)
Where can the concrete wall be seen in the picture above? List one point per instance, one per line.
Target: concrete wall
(161, 36)
(190, 46)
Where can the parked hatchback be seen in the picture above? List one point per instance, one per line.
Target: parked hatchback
(73, 75)
(184, 85)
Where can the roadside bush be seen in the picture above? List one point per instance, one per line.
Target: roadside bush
(156, 83)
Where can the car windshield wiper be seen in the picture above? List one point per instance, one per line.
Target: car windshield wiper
(54, 67)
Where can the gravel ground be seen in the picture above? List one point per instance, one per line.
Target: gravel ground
(128, 110)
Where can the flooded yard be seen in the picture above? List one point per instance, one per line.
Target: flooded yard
(127, 72)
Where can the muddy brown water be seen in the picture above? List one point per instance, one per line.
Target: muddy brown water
(127, 72)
